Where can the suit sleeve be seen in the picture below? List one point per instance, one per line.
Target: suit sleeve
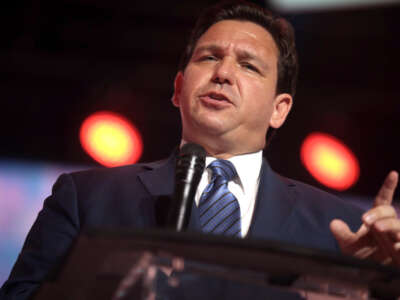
(47, 243)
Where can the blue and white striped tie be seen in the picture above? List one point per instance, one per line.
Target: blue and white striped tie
(219, 208)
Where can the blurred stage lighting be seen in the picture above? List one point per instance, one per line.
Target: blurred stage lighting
(110, 139)
(329, 161)
(302, 5)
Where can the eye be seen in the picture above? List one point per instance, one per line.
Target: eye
(250, 67)
(208, 57)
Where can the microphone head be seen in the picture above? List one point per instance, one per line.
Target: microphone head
(191, 156)
(193, 149)
(190, 165)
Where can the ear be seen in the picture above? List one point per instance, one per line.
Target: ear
(178, 82)
(282, 105)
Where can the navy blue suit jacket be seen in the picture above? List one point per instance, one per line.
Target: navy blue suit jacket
(286, 210)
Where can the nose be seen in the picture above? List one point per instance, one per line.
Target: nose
(223, 72)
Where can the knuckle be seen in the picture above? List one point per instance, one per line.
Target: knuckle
(383, 211)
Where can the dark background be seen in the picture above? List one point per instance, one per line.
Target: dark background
(63, 60)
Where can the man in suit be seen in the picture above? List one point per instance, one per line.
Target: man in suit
(236, 81)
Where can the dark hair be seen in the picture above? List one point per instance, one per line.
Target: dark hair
(280, 29)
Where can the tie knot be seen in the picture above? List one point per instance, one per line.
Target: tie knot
(223, 168)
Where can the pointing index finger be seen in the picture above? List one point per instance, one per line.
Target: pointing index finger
(385, 194)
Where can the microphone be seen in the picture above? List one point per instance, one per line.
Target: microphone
(189, 169)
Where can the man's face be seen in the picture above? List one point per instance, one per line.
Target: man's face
(227, 93)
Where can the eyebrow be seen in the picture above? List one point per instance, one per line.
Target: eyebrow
(242, 54)
(211, 47)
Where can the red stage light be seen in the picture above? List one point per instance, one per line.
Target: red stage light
(330, 161)
(110, 139)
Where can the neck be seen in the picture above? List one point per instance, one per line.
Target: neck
(224, 150)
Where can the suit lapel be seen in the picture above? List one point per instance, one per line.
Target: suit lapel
(274, 206)
(159, 181)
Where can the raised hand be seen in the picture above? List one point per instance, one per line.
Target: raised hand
(378, 238)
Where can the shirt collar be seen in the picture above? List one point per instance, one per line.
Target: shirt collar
(247, 166)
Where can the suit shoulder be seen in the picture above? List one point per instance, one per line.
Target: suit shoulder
(322, 204)
(103, 174)
(97, 195)
(302, 189)
(102, 183)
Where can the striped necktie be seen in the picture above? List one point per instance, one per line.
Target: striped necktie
(219, 208)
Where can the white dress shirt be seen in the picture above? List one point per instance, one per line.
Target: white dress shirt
(244, 187)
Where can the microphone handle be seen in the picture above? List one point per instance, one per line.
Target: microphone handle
(185, 189)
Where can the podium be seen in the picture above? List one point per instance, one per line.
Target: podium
(158, 264)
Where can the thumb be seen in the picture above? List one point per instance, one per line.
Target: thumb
(342, 233)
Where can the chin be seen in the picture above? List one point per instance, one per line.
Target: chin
(213, 127)
(200, 130)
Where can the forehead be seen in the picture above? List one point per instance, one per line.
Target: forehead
(241, 35)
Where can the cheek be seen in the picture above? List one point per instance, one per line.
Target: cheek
(258, 94)
(190, 83)
(260, 103)
(186, 92)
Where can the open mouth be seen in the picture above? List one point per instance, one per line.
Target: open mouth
(217, 97)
